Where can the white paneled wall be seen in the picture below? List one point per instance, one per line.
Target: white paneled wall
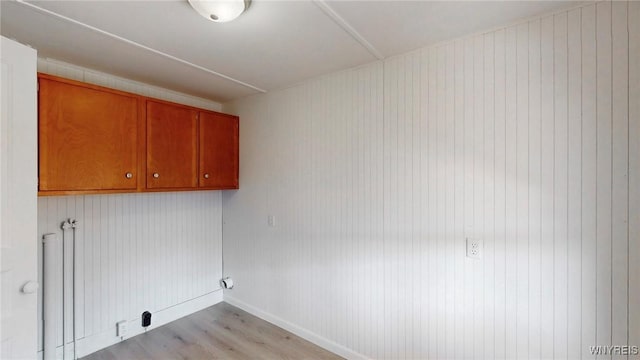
(160, 252)
(137, 252)
(78, 73)
(526, 137)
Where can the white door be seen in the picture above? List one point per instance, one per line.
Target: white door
(18, 201)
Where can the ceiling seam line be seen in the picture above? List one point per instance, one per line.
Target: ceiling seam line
(328, 10)
(136, 44)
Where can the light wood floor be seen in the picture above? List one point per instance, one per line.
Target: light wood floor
(219, 332)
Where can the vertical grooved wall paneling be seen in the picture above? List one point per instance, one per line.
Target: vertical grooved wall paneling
(525, 137)
(633, 255)
(134, 252)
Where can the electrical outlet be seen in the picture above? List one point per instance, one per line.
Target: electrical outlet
(474, 248)
(271, 221)
(121, 328)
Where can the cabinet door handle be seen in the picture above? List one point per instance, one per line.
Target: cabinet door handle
(206, 176)
(128, 175)
(156, 175)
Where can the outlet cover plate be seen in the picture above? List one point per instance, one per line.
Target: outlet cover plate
(121, 328)
(474, 248)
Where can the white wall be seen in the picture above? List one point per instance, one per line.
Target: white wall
(78, 73)
(160, 252)
(527, 137)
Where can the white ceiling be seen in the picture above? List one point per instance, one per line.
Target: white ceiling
(273, 45)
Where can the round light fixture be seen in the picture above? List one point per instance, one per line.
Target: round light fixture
(220, 11)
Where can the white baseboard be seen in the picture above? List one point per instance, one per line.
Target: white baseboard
(99, 341)
(297, 330)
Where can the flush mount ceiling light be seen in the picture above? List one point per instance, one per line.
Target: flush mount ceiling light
(221, 10)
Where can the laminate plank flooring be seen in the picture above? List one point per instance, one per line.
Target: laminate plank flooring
(218, 332)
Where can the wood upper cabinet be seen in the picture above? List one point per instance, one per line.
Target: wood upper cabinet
(218, 151)
(97, 140)
(87, 137)
(171, 146)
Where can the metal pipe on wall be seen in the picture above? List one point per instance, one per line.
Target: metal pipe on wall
(51, 266)
(69, 317)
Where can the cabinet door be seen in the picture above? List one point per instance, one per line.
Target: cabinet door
(171, 146)
(218, 151)
(87, 138)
